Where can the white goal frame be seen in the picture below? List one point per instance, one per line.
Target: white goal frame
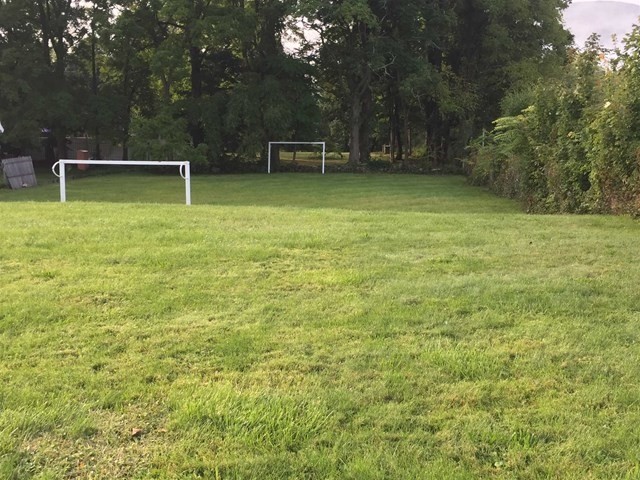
(185, 172)
(324, 151)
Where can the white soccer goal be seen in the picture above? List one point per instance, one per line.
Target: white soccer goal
(185, 171)
(324, 151)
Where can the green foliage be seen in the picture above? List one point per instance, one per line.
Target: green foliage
(164, 137)
(505, 46)
(272, 103)
(424, 76)
(575, 148)
(516, 101)
(615, 146)
(496, 156)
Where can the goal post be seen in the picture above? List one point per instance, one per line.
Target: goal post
(324, 151)
(185, 171)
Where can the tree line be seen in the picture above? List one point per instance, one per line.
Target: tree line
(571, 143)
(215, 80)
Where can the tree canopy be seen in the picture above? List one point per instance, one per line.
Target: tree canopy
(211, 80)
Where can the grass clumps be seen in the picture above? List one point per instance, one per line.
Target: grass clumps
(314, 327)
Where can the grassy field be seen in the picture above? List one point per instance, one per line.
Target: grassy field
(300, 326)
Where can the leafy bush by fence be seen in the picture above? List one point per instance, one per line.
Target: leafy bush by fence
(575, 147)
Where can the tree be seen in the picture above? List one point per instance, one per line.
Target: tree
(128, 46)
(413, 34)
(501, 46)
(22, 66)
(58, 23)
(383, 71)
(37, 43)
(347, 59)
(274, 98)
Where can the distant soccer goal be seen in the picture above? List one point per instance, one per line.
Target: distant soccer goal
(323, 144)
(185, 171)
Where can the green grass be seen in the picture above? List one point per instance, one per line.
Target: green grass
(341, 191)
(300, 326)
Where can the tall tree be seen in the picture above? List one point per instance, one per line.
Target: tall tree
(22, 69)
(274, 98)
(410, 31)
(128, 46)
(433, 69)
(501, 46)
(60, 27)
(41, 37)
(347, 57)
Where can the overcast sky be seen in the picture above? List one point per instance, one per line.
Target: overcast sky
(605, 17)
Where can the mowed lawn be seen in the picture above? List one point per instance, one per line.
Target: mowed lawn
(301, 326)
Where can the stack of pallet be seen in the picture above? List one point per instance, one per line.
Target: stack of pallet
(19, 172)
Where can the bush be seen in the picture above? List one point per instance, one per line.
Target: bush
(165, 138)
(576, 146)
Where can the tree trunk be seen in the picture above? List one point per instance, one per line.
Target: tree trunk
(355, 123)
(398, 132)
(407, 132)
(360, 90)
(125, 134)
(94, 86)
(275, 158)
(44, 13)
(395, 125)
(359, 124)
(392, 144)
(196, 129)
(365, 124)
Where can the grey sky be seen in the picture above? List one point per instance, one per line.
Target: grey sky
(584, 17)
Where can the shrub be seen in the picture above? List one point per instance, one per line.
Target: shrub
(576, 146)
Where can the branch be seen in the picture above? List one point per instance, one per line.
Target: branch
(385, 66)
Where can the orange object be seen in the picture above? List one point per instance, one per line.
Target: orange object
(82, 155)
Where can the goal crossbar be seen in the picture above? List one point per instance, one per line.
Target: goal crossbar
(324, 151)
(185, 171)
